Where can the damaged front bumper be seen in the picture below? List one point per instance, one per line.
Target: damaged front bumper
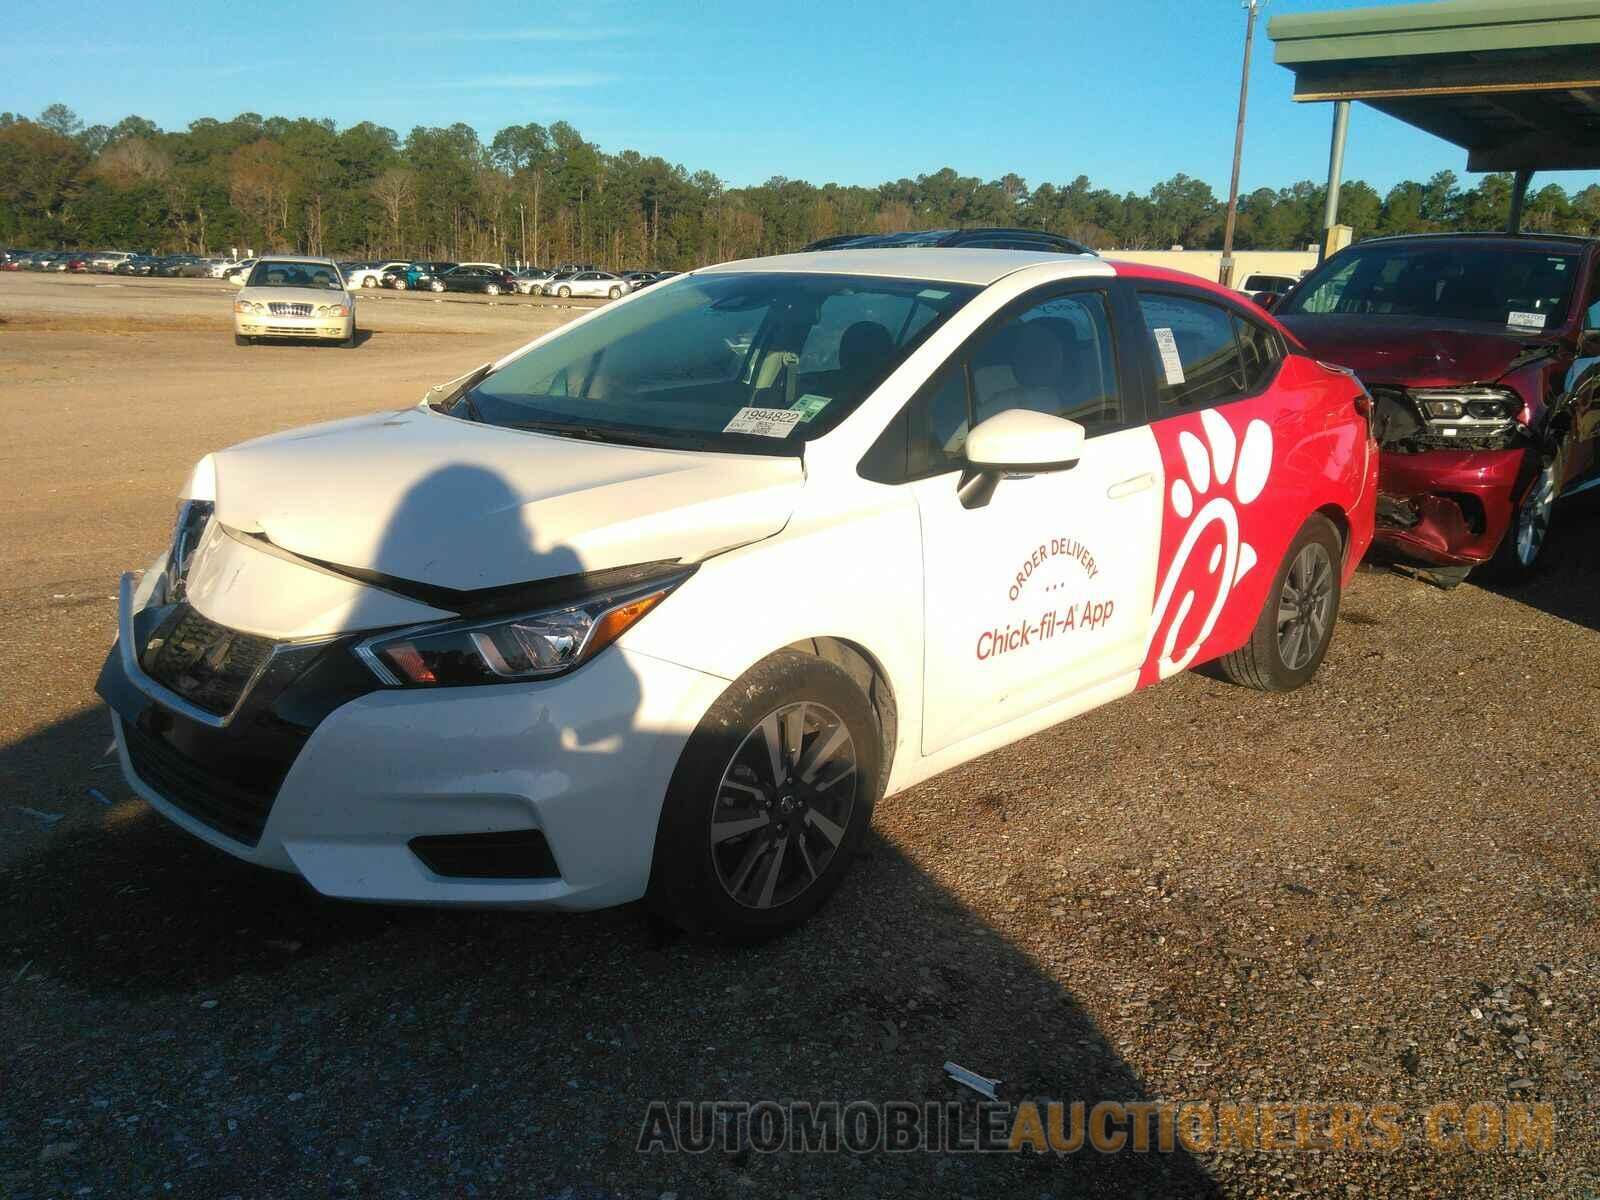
(1448, 507)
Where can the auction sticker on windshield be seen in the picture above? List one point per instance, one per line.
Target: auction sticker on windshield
(764, 422)
(810, 405)
(1525, 320)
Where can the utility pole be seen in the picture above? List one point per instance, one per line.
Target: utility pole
(1226, 276)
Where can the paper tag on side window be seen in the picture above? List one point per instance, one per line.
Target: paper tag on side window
(810, 405)
(1523, 320)
(764, 422)
(1170, 362)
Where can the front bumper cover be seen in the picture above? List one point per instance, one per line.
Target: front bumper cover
(351, 773)
(1448, 507)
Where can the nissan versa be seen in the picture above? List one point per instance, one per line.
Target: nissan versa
(662, 604)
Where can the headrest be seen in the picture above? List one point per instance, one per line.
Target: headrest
(864, 345)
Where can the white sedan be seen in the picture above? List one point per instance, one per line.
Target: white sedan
(661, 604)
(371, 277)
(588, 283)
(294, 298)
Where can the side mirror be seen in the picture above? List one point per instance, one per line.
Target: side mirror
(1017, 442)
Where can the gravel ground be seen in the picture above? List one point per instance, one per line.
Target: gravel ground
(1382, 888)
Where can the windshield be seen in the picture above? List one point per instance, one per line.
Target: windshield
(1522, 289)
(295, 275)
(704, 362)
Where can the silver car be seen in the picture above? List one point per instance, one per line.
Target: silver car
(589, 283)
(294, 298)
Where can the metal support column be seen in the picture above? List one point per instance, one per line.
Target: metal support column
(1519, 193)
(1341, 128)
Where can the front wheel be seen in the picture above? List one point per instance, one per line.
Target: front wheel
(436, 286)
(1518, 554)
(1296, 623)
(400, 285)
(769, 802)
(492, 289)
(369, 281)
(565, 293)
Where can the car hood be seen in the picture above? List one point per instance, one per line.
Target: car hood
(420, 496)
(1414, 352)
(289, 295)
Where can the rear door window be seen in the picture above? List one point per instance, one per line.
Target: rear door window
(1194, 350)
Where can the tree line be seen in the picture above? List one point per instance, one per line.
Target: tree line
(541, 193)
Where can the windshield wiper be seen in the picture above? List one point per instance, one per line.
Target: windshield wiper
(453, 390)
(619, 437)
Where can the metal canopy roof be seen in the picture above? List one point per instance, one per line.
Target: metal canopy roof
(1515, 83)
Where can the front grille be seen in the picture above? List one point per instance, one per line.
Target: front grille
(236, 810)
(209, 665)
(279, 308)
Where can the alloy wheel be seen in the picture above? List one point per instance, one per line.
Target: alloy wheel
(783, 805)
(1304, 605)
(1533, 517)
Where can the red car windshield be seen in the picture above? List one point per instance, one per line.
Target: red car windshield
(1521, 289)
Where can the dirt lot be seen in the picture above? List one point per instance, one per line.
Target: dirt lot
(1382, 888)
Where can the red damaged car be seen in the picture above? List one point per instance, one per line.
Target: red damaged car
(1482, 353)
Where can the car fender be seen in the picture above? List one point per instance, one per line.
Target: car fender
(847, 566)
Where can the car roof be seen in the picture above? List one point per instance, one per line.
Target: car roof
(1564, 241)
(297, 258)
(954, 265)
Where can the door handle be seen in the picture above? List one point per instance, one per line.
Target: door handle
(1129, 487)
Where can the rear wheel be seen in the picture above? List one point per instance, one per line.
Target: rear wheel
(565, 293)
(492, 289)
(399, 284)
(1296, 623)
(369, 281)
(436, 286)
(770, 801)
(615, 292)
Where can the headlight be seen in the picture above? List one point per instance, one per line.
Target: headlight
(331, 310)
(186, 532)
(1472, 405)
(535, 645)
(246, 306)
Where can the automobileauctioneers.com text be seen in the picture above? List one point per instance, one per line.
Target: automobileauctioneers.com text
(1108, 1127)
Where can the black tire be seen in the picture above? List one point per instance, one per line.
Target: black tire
(689, 882)
(240, 340)
(1283, 655)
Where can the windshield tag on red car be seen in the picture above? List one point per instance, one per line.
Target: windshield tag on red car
(764, 422)
(1524, 320)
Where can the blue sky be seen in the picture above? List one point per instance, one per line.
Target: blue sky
(1127, 92)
